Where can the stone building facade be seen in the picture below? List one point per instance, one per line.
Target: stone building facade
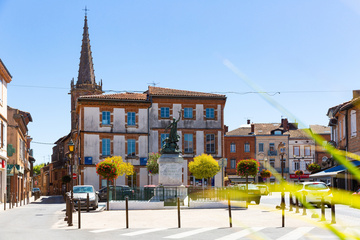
(5, 79)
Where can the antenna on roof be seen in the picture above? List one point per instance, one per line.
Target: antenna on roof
(154, 83)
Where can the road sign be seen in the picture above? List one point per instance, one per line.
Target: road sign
(74, 176)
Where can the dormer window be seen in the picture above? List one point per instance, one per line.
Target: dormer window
(277, 132)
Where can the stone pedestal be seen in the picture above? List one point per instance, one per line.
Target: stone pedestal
(170, 169)
(170, 179)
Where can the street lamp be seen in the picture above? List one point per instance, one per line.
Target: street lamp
(281, 149)
(71, 152)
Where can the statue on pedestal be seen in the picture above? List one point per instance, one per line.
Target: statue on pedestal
(170, 145)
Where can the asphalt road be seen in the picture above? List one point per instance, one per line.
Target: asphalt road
(44, 220)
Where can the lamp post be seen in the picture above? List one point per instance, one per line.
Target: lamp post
(222, 164)
(281, 149)
(71, 152)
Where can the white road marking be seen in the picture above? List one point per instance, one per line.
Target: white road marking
(241, 233)
(190, 233)
(103, 230)
(296, 234)
(144, 231)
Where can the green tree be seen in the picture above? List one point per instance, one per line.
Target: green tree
(37, 168)
(204, 166)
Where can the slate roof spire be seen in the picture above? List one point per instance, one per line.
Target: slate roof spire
(86, 66)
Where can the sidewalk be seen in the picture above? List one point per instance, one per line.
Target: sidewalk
(262, 215)
(31, 199)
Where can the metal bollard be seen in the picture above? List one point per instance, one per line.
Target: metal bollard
(70, 223)
(178, 205)
(17, 200)
(291, 203)
(333, 221)
(87, 202)
(303, 203)
(297, 204)
(322, 210)
(21, 197)
(4, 201)
(24, 198)
(127, 211)
(66, 209)
(283, 209)
(79, 215)
(229, 205)
(10, 198)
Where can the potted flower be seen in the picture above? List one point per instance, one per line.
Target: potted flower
(299, 173)
(265, 174)
(152, 165)
(313, 167)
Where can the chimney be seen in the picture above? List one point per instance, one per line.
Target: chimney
(226, 129)
(356, 94)
(248, 121)
(252, 128)
(284, 124)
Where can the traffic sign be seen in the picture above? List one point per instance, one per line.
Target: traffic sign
(74, 176)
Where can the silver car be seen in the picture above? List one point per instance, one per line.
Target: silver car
(80, 194)
(314, 192)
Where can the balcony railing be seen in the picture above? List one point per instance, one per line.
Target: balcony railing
(272, 153)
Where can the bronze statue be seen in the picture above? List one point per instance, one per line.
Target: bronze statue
(170, 145)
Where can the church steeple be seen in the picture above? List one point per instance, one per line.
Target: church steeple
(85, 84)
(86, 66)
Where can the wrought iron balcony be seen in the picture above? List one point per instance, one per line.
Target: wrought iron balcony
(272, 153)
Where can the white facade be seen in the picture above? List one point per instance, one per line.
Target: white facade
(301, 154)
(3, 120)
(147, 133)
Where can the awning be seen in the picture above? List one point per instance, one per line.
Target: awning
(14, 169)
(333, 171)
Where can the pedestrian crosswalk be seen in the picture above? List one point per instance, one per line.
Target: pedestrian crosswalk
(213, 233)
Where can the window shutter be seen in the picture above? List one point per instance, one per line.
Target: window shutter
(353, 123)
(2, 134)
(302, 165)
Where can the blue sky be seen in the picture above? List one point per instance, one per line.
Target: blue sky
(308, 51)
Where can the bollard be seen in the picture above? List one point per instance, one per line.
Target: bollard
(79, 215)
(87, 202)
(291, 203)
(322, 210)
(229, 205)
(283, 209)
(333, 221)
(24, 198)
(297, 204)
(21, 197)
(127, 211)
(303, 203)
(70, 212)
(10, 198)
(178, 205)
(4, 201)
(66, 209)
(17, 200)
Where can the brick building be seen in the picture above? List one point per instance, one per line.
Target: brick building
(5, 79)
(19, 179)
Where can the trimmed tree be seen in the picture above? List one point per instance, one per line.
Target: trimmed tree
(204, 166)
(246, 168)
(111, 168)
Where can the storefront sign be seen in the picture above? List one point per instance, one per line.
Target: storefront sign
(303, 176)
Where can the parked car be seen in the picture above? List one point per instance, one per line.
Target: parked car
(314, 192)
(264, 189)
(80, 195)
(35, 190)
(121, 192)
(254, 193)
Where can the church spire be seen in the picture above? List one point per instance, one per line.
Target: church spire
(86, 66)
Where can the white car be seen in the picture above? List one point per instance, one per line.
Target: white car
(314, 192)
(80, 194)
